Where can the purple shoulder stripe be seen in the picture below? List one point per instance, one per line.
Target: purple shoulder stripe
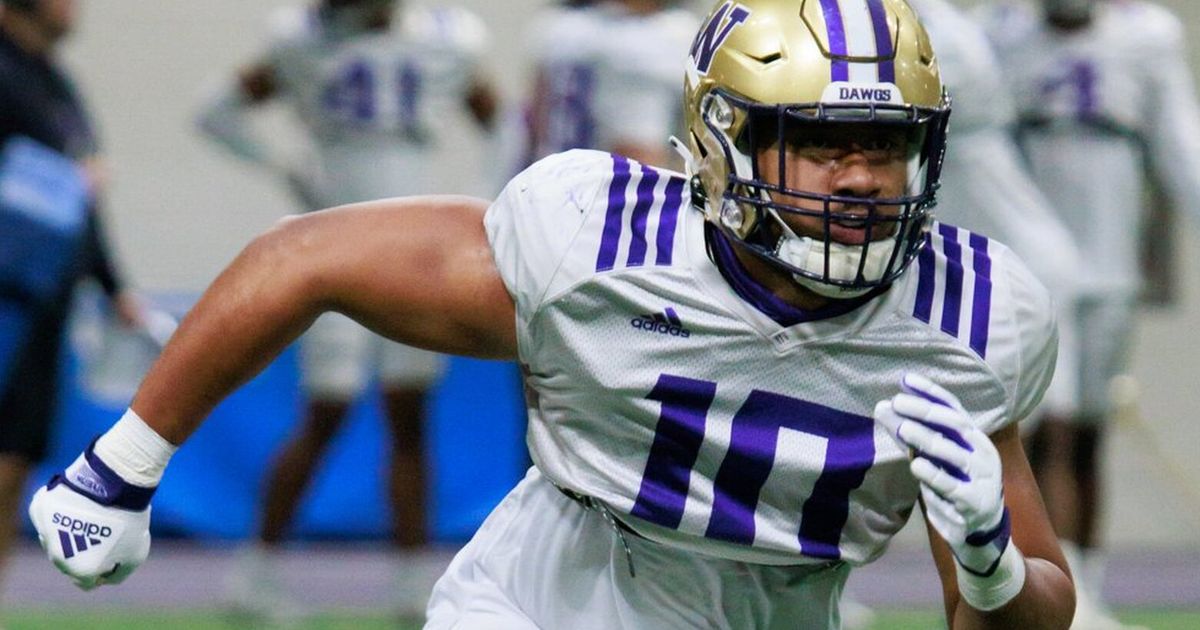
(612, 220)
(981, 304)
(954, 279)
(641, 210)
(952, 300)
(647, 199)
(923, 310)
(667, 219)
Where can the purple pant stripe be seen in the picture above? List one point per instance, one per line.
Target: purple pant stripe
(981, 306)
(952, 302)
(637, 221)
(666, 220)
(836, 30)
(925, 281)
(612, 221)
(883, 42)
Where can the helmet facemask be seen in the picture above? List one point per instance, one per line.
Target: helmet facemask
(849, 245)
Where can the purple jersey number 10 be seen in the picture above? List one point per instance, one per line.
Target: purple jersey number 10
(850, 451)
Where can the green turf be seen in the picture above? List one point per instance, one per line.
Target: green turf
(1156, 619)
(189, 620)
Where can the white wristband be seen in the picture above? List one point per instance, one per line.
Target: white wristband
(992, 592)
(134, 451)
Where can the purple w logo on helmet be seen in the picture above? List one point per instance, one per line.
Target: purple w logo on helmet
(710, 38)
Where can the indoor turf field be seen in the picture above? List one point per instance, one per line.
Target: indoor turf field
(1157, 619)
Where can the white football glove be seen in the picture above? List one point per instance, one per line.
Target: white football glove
(94, 526)
(958, 468)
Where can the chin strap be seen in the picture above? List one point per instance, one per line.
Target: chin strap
(689, 162)
(808, 253)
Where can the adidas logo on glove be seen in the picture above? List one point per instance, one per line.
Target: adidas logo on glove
(100, 520)
(76, 535)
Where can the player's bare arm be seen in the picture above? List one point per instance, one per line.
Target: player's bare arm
(1047, 598)
(418, 270)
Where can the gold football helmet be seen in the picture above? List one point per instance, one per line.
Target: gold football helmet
(762, 71)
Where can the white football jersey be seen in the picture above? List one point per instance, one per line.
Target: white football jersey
(1097, 107)
(984, 184)
(373, 101)
(608, 76)
(703, 423)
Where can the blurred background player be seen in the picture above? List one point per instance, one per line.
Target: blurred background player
(985, 186)
(371, 82)
(606, 76)
(1104, 97)
(39, 103)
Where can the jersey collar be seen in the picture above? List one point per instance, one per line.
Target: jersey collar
(786, 326)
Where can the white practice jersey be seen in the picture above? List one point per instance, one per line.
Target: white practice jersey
(984, 184)
(607, 76)
(706, 425)
(373, 101)
(1097, 108)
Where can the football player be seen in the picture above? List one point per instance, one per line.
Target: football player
(614, 88)
(744, 377)
(371, 83)
(1104, 95)
(985, 186)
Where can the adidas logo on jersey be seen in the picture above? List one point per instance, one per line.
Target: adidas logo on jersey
(77, 536)
(665, 323)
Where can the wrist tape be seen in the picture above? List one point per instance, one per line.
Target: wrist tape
(999, 586)
(134, 451)
(90, 476)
